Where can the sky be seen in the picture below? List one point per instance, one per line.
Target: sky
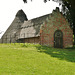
(36, 8)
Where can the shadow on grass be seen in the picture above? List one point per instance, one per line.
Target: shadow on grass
(71, 48)
(62, 54)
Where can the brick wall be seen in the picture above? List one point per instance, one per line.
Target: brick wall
(56, 21)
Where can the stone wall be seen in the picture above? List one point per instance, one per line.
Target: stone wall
(56, 21)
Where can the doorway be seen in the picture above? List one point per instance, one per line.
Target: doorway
(58, 39)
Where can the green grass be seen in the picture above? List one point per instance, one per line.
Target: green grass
(29, 59)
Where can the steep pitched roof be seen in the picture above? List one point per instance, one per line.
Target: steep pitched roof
(31, 28)
(14, 27)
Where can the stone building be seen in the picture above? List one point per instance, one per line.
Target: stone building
(9, 35)
(51, 30)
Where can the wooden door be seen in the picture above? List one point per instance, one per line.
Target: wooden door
(58, 39)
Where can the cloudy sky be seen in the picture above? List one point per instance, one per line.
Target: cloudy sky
(9, 8)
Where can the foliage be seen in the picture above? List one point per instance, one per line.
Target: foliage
(30, 59)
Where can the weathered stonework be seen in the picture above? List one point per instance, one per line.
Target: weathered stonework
(56, 21)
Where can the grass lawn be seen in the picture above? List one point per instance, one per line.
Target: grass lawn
(29, 59)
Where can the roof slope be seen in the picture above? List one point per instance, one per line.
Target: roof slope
(14, 27)
(31, 28)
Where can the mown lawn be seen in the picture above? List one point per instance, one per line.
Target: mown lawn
(29, 59)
